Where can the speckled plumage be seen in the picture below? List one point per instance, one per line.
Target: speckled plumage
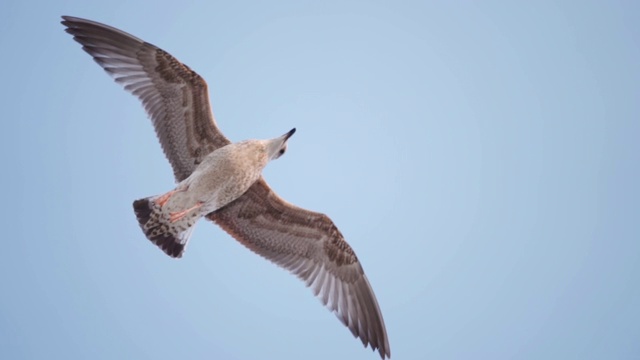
(306, 243)
(222, 176)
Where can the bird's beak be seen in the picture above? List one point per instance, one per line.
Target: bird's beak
(288, 135)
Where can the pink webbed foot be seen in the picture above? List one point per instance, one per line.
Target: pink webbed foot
(165, 197)
(176, 216)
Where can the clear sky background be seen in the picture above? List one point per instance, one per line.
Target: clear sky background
(482, 158)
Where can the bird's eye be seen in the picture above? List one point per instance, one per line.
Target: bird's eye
(281, 152)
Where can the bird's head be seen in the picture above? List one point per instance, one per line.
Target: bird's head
(278, 146)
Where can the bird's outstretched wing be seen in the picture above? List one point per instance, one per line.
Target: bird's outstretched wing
(175, 97)
(309, 245)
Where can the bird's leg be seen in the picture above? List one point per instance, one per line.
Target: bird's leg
(175, 216)
(165, 197)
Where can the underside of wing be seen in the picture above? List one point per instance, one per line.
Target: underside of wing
(309, 245)
(174, 96)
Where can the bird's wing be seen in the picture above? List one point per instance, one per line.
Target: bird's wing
(309, 245)
(175, 97)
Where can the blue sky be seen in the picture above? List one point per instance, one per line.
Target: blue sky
(481, 158)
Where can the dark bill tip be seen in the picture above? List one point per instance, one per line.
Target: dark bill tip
(288, 135)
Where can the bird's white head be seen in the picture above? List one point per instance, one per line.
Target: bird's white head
(278, 146)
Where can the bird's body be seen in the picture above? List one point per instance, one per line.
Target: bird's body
(223, 176)
(222, 182)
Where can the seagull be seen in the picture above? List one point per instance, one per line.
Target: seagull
(222, 181)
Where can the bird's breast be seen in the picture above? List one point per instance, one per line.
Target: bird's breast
(221, 180)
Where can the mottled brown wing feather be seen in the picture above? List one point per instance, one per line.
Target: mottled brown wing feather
(309, 245)
(175, 97)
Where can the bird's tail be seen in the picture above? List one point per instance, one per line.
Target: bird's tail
(155, 223)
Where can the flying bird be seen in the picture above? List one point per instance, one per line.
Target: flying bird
(223, 182)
